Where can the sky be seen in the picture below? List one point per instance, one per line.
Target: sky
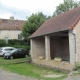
(21, 9)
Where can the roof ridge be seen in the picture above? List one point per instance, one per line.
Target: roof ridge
(12, 20)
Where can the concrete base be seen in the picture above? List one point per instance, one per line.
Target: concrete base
(63, 65)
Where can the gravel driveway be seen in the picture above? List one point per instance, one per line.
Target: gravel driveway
(6, 75)
(73, 77)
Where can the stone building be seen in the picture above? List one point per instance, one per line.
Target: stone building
(11, 28)
(58, 37)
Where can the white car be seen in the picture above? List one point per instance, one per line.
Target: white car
(3, 50)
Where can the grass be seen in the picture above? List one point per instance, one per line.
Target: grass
(8, 61)
(77, 71)
(29, 69)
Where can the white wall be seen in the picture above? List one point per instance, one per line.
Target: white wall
(11, 34)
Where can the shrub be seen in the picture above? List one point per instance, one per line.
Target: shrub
(15, 41)
(2, 42)
(22, 46)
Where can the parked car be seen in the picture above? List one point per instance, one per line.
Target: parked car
(17, 53)
(3, 50)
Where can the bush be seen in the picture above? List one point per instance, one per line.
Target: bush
(22, 46)
(14, 43)
(18, 44)
(2, 43)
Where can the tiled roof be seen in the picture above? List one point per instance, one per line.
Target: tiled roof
(64, 21)
(8, 24)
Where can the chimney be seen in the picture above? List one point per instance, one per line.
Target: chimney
(12, 18)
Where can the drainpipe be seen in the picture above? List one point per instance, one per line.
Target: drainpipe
(75, 46)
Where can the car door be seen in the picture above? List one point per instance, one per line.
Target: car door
(19, 53)
(22, 53)
(15, 53)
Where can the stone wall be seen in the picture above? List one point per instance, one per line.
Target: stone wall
(65, 48)
(59, 46)
(77, 32)
(72, 48)
(55, 46)
(38, 47)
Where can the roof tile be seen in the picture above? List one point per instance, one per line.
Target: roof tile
(7, 24)
(64, 21)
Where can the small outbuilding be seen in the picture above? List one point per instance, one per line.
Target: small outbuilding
(58, 37)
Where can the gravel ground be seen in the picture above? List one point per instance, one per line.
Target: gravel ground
(72, 77)
(6, 75)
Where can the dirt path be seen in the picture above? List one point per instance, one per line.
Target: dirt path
(6, 75)
(73, 77)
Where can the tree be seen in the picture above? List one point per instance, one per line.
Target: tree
(33, 23)
(65, 6)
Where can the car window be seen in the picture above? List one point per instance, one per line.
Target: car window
(19, 50)
(9, 49)
(14, 50)
(1, 49)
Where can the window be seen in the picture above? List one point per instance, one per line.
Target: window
(19, 37)
(6, 39)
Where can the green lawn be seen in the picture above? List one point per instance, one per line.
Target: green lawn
(8, 61)
(29, 69)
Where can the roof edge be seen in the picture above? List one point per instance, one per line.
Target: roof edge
(47, 33)
(75, 23)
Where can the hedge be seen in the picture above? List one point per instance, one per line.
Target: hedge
(14, 43)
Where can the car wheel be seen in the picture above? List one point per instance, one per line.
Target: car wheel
(4, 57)
(11, 57)
(25, 56)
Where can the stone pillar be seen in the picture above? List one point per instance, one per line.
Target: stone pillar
(31, 51)
(47, 47)
(72, 48)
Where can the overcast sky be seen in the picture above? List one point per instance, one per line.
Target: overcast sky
(22, 8)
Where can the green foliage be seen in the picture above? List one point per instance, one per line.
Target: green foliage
(58, 57)
(14, 43)
(2, 43)
(18, 43)
(13, 61)
(22, 46)
(33, 23)
(65, 6)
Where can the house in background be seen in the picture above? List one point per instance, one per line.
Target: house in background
(58, 37)
(11, 28)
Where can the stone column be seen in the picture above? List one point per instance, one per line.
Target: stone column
(47, 47)
(72, 48)
(31, 51)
